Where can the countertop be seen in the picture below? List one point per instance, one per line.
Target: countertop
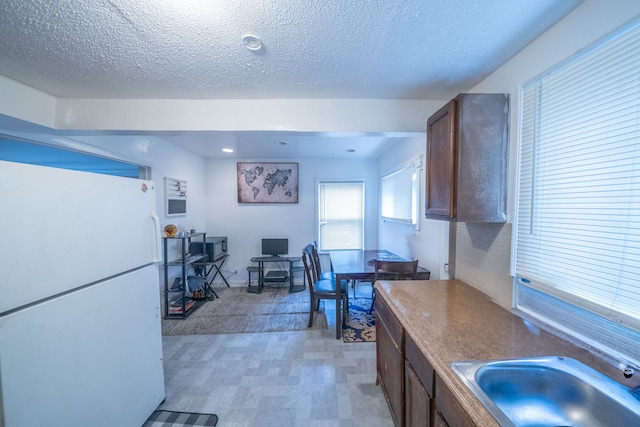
(451, 321)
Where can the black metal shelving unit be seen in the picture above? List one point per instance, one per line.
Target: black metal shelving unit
(173, 295)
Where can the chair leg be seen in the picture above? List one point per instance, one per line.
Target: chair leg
(311, 307)
(373, 301)
(338, 319)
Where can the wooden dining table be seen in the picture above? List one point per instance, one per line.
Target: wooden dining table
(358, 264)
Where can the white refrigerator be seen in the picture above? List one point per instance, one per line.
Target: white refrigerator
(80, 335)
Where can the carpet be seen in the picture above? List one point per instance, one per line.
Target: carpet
(238, 311)
(162, 418)
(360, 325)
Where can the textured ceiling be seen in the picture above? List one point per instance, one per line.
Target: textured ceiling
(418, 49)
(193, 49)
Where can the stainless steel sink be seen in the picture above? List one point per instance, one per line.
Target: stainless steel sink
(549, 391)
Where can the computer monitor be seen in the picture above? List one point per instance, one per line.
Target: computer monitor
(275, 247)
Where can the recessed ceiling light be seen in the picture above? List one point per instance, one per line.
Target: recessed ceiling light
(282, 143)
(227, 150)
(350, 150)
(251, 42)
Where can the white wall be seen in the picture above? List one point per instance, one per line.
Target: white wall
(430, 243)
(246, 224)
(483, 250)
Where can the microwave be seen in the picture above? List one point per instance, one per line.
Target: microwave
(216, 248)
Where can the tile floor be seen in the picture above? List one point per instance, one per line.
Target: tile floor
(301, 378)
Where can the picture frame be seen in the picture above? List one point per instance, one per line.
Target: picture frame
(267, 182)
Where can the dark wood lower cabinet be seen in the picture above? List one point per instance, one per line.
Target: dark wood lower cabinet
(418, 386)
(390, 360)
(417, 397)
(417, 400)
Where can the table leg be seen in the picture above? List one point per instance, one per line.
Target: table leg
(212, 294)
(339, 309)
(219, 271)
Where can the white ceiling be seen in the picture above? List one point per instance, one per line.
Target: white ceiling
(179, 49)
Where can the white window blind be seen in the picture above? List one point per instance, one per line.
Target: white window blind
(399, 196)
(341, 215)
(578, 217)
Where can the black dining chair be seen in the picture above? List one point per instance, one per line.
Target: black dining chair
(331, 275)
(392, 270)
(324, 289)
(316, 260)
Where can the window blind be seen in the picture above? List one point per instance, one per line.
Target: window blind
(578, 207)
(341, 215)
(399, 195)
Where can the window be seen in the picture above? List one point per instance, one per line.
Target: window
(577, 236)
(22, 151)
(400, 191)
(341, 215)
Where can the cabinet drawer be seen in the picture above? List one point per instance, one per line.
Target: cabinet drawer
(420, 364)
(384, 314)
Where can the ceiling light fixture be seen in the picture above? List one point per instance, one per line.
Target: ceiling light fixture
(350, 150)
(282, 143)
(227, 150)
(252, 42)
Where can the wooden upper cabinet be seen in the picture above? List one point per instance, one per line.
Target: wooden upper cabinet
(467, 143)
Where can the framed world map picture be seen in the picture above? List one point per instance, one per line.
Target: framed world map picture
(267, 182)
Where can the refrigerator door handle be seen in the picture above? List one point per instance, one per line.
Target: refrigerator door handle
(156, 223)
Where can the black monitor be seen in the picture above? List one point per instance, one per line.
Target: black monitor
(275, 247)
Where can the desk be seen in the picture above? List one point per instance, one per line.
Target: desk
(280, 275)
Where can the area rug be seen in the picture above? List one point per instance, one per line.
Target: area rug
(360, 325)
(162, 418)
(238, 311)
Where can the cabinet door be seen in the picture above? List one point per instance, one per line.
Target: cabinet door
(441, 166)
(390, 364)
(417, 400)
(448, 407)
(418, 385)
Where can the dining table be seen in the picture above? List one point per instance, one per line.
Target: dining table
(358, 264)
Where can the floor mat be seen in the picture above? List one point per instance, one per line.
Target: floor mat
(360, 325)
(163, 418)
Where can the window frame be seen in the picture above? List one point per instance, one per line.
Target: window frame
(605, 328)
(393, 212)
(21, 150)
(322, 245)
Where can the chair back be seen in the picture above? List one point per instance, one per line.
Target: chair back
(309, 267)
(395, 270)
(316, 259)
